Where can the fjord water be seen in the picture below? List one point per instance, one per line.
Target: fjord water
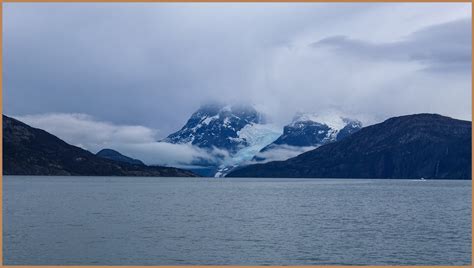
(192, 221)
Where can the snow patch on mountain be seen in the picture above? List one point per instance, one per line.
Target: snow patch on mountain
(334, 121)
(206, 121)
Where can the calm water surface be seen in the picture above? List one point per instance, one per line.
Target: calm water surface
(190, 221)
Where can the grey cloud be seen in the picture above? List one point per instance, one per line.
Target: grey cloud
(137, 62)
(442, 47)
(281, 152)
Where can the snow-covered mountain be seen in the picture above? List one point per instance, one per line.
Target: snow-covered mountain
(314, 129)
(306, 132)
(217, 126)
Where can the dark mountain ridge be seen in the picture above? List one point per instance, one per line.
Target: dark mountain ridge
(116, 156)
(406, 147)
(32, 151)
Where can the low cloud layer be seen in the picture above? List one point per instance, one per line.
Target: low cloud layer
(135, 141)
(281, 152)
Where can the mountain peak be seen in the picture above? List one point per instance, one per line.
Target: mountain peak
(332, 120)
(217, 125)
(310, 129)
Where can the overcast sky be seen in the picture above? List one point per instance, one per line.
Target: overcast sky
(151, 65)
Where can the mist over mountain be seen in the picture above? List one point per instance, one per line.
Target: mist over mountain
(230, 133)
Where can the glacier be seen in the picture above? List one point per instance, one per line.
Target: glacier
(257, 136)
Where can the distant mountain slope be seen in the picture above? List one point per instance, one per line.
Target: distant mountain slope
(116, 156)
(412, 146)
(32, 151)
